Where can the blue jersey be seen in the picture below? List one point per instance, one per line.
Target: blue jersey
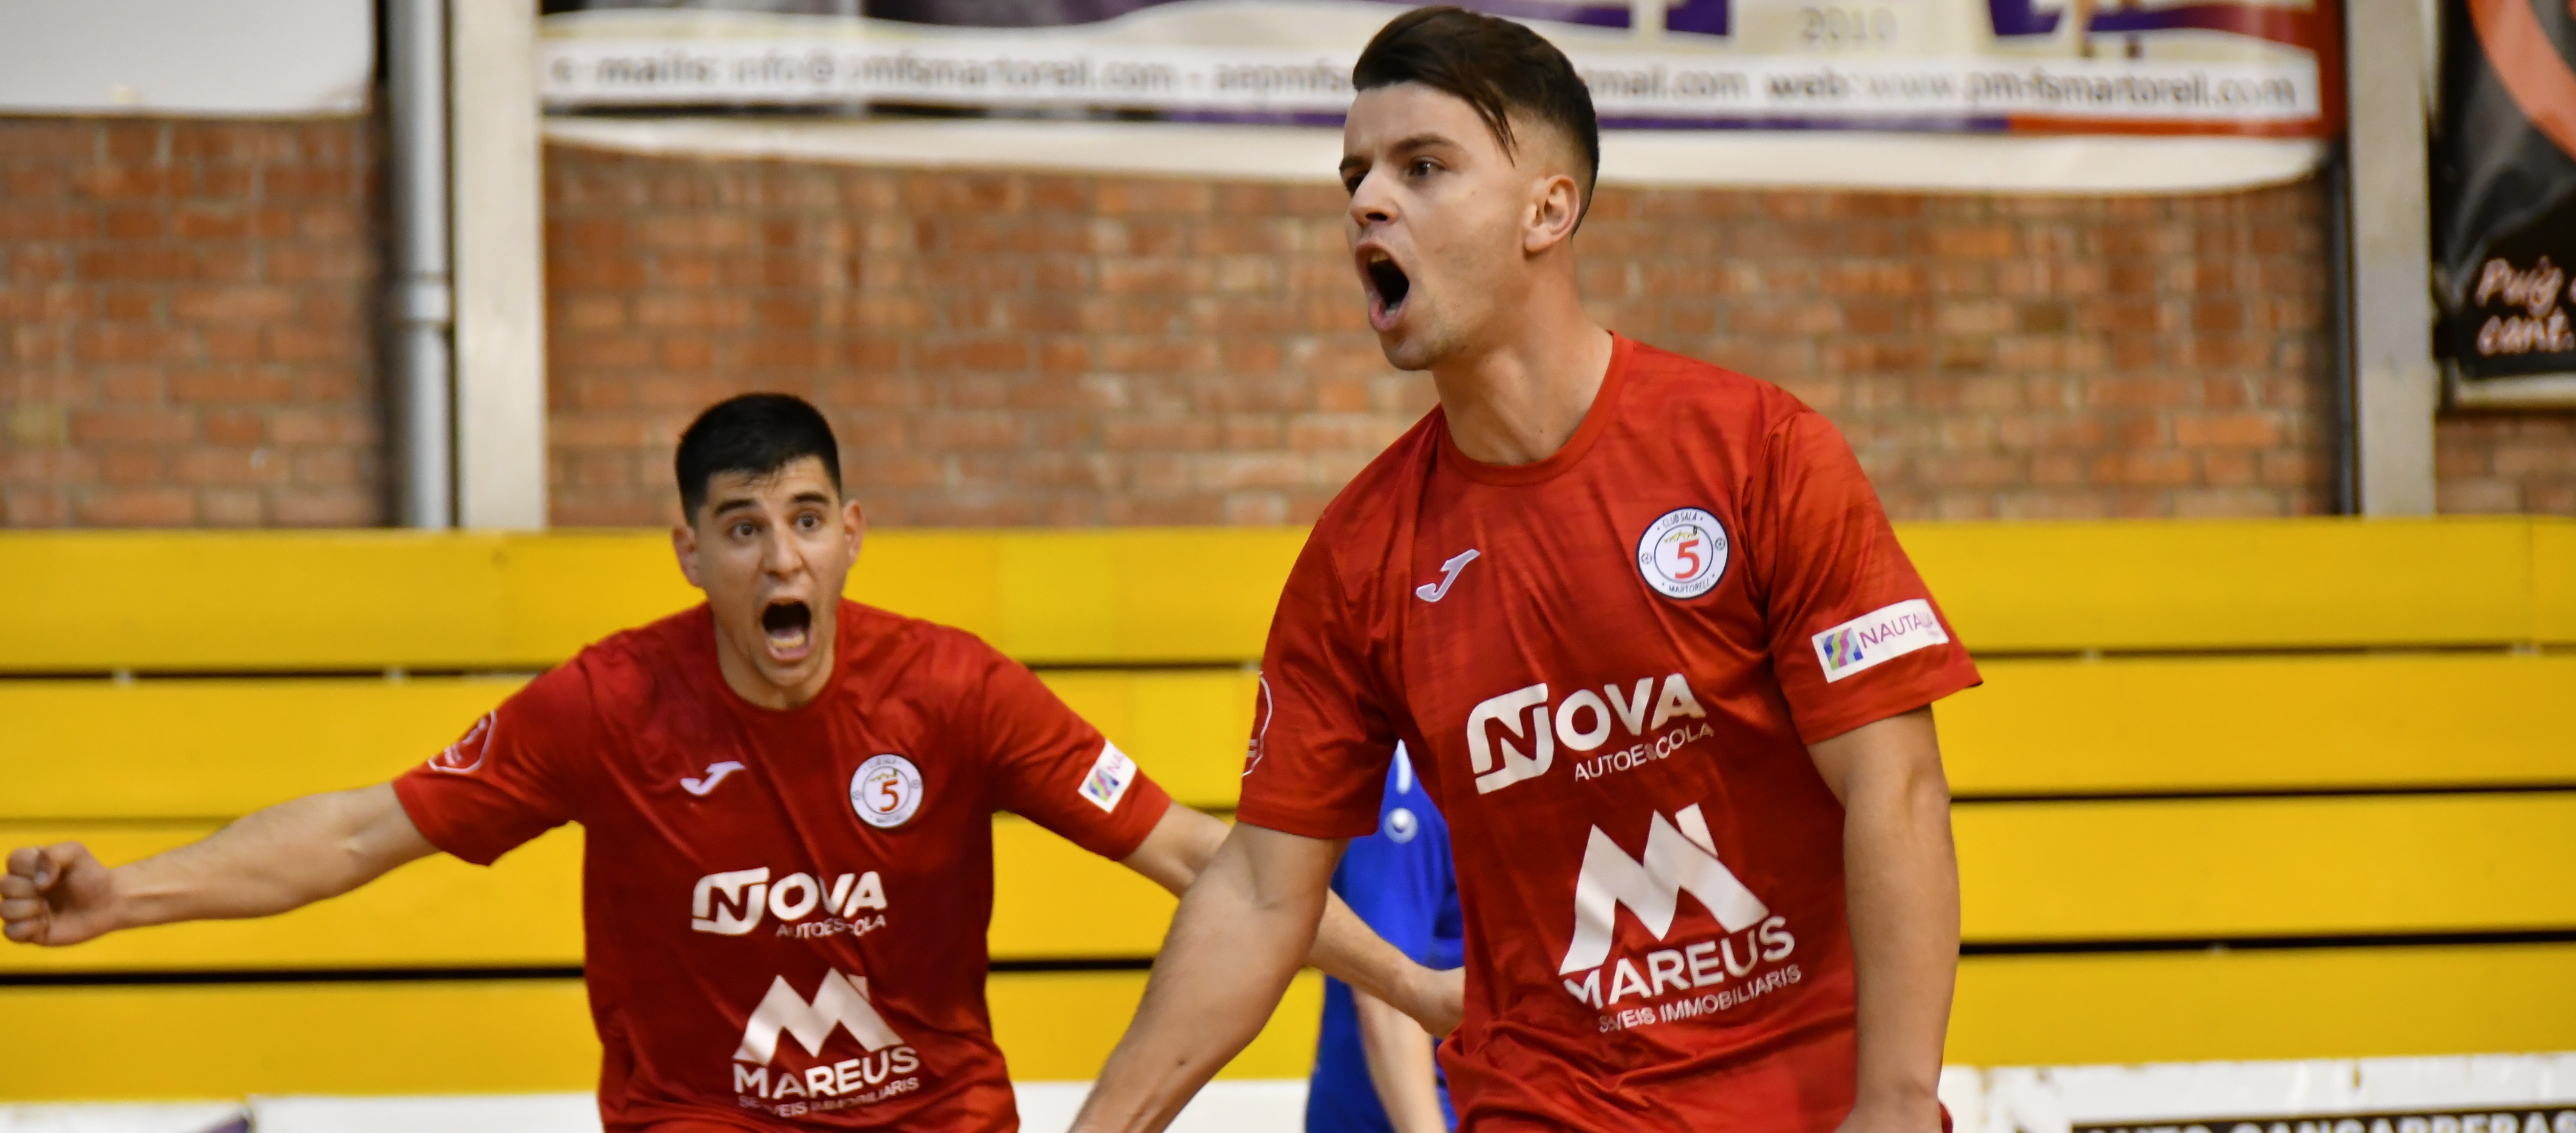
(1400, 882)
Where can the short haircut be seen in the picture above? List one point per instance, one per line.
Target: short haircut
(758, 433)
(1492, 64)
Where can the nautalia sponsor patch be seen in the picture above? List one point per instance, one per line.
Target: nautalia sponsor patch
(1880, 635)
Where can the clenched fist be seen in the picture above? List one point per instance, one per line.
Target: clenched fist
(55, 895)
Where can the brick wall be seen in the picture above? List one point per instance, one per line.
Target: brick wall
(187, 336)
(2507, 462)
(1002, 348)
(186, 323)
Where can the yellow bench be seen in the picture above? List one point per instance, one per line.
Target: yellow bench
(2324, 733)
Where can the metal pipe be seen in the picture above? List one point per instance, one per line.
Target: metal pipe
(421, 304)
(2341, 381)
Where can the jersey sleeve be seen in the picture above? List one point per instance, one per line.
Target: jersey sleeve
(1321, 738)
(1855, 635)
(1050, 766)
(505, 781)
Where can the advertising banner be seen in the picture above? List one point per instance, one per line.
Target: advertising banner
(2504, 199)
(2259, 67)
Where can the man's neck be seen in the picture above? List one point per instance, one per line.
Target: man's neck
(1521, 398)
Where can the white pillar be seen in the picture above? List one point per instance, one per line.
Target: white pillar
(2396, 387)
(500, 267)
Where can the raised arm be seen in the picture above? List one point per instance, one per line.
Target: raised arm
(1185, 840)
(285, 857)
(1238, 938)
(1902, 882)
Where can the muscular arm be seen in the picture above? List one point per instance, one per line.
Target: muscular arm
(1400, 1066)
(285, 857)
(1902, 880)
(1240, 932)
(1183, 843)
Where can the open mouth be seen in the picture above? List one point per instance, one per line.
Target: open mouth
(789, 625)
(1388, 286)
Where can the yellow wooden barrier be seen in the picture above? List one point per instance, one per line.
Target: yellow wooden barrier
(482, 1036)
(2061, 871)
(535, 1035)
(218, 749)
(2293, 1003)
(194, 601)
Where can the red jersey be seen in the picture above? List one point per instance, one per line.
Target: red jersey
(1608, 665)
(784, 911)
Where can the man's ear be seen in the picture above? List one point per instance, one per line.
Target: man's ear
(1556, 207)
(684, 546)
(854, 526)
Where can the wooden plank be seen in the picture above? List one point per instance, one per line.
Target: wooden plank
(195, 749)
(438, 912)
(1060, 1026)
(238, 1040)
(1187, 729)
(2221, 868)
(2060, 871)
(377, 599)
(2217, 724)
(483, 1037)
(2011, 1010)
(2229, 584)
(188, 749)
(373, 599)
(1054, 900)
(2553, 572)
(2303, 1003)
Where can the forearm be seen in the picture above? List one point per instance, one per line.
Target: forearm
(1185, 841)
(1234, 945)
(284, 857)
(1400, 1065)
(1902, 881)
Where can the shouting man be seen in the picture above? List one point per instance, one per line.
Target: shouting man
(1656, 654)
(788, 802)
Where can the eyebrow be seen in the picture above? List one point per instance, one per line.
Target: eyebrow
(1422, 141)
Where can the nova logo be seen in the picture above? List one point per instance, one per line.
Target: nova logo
(840, 1002)
(1582, 722)
(731, 904)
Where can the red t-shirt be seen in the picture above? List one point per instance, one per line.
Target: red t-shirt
(784, 912)
(1608, 665)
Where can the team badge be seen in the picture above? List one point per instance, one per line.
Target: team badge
(1683, 554)
(886, 791)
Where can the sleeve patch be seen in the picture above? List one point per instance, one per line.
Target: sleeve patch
(1109, 778)
(1881, 635)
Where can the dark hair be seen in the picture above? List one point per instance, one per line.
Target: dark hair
(758, 433)
(1492, 64)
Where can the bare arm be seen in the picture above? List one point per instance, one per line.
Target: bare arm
(1240, 932)
(1185, 840)
(285, 857)
(1902, 880)
(1400, 1066)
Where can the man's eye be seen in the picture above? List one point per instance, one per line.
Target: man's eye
(809, 521)
(1421, 167)
(1351, 185)
(744, 531)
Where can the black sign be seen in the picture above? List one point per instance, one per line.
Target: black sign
(2504, 188)
(2556, 1118)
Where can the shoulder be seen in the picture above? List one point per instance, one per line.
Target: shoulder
(1662, 382)
(1366, 521)
(885, 648)
(635, 668)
